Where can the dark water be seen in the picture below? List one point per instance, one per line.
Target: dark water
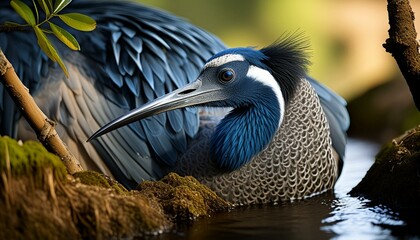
(328, 216)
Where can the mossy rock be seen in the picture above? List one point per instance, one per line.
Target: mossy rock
(394, 178)
(93, 178)
(183, 198)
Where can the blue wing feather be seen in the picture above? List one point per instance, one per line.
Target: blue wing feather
(136, 43)
(128, 31)
(147, 72)
(127, 64)
(176, 120)
(131, 85)
(158, 71)
(154, 49)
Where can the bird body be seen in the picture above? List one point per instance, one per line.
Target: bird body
(283, 137)
(274, 144)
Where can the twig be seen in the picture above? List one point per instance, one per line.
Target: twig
(13, 28)
(403, 46)
(43, 126)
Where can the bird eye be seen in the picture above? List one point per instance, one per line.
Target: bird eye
(226, 75)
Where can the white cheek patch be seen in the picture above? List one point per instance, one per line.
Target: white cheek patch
(265, 77)
(224, 59)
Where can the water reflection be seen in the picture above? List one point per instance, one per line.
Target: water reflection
(329, 216)
(298, 220)
(356, 218)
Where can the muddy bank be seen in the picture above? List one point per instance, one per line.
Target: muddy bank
(39, 200)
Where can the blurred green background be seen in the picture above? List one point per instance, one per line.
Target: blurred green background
(346, 48)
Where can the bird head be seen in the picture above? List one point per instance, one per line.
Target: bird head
(256, 84)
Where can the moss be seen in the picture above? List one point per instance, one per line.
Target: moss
(211, 200)
(29, 159)
(394, 178)
(93, 178)
(183, 198)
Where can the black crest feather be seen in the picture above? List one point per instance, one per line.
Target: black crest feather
(289, 61)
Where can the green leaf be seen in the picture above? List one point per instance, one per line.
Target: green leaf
(78, 21)
(49, 49)
(49, 3)
(43, 42)
(65, 37)
(46, 6)
(36, 11)
(24, 11)
(60, 4)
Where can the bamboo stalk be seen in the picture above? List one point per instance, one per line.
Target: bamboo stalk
(43, 127)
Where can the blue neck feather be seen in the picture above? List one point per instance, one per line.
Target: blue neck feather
(244, 132)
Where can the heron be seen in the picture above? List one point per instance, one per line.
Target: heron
(279, 135)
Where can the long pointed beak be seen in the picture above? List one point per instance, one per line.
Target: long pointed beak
(192, 94)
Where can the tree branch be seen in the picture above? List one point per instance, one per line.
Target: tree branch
(403, 46)
(43, 127)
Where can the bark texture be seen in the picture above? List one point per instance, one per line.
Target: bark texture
(403, 45)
